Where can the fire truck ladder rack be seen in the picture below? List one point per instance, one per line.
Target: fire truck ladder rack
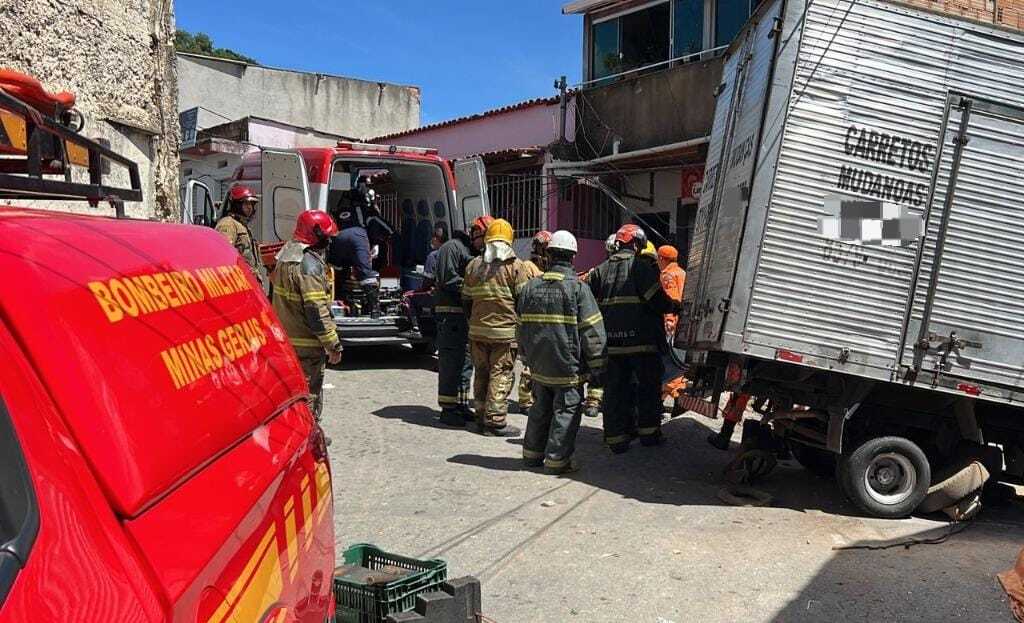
(47, 147)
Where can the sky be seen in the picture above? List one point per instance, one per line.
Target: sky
(466, 56)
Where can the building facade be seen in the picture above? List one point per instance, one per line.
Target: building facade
(117, 56)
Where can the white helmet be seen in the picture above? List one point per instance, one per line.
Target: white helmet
(609, 244)
(563, 240)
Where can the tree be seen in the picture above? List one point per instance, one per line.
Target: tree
(201, 43)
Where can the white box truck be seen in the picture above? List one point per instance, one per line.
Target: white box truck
(858, 257)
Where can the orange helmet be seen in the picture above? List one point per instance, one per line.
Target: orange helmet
(313, 226)
(668, 253)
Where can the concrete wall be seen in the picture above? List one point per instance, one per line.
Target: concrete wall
(118, 57)
(533, 126)
(345, 106)
(659, 108)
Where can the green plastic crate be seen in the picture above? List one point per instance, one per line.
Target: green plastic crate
(358, 603)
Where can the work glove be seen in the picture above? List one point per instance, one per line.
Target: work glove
(334, 356)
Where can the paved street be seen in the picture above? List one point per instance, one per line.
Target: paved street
(642, 537)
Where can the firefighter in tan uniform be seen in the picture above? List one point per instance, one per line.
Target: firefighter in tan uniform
(234, 226)
(539, 261)
(489, 294)
(302, 299)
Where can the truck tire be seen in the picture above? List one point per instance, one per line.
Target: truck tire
(886, 477)
(821, 463)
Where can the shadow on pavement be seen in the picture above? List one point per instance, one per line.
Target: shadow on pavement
(414, 414)
(951, 580)
(685, 471)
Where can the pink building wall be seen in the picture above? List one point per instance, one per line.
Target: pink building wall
(530, 126)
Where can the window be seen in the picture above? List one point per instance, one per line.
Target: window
(645, 36)
(630, 41)
(688, 22)
(519, 199)
(605, 45)
(19, 515)
(730, 15)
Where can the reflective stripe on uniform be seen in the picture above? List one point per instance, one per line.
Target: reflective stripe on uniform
(492, 333)
(616, 439)
(644, 432)
(651, 291)
(486, 291)
(597, 363)
(298, 297)
(548, 318)
(622, 300)
(591, 320)
(632, 350)
(448, 309)
(532, 454)
(561, 381)
(447, 400)
(553, 276)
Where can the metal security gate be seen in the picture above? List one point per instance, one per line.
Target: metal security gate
(967, 314)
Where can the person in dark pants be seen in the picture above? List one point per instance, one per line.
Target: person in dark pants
(628, 290)
(454, 368)
(561, 337)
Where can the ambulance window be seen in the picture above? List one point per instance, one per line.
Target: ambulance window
(19, 517)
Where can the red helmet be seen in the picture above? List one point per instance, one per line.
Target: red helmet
(541, 238)
(481, 223)
(313, 226)
(629, 234)
(239, 192)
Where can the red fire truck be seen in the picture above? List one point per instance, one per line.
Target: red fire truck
(158, 460)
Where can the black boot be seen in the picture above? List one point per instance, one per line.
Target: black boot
(452, 417)
(373, 302)
(721, 440)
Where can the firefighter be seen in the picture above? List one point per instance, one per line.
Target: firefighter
(234, 226)
(439, 237)
(302, 293)
(454, 368)
(628, 290)
(562, 339)
(673, 278)
(352, 249)
(538, 260)
(489, 294)
(595, 389)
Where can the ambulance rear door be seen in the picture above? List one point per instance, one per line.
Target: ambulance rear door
(471, 199)
(285, 190)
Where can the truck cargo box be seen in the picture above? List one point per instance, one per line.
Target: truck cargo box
(863, 210)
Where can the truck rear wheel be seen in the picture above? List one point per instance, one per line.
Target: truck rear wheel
(886, 477)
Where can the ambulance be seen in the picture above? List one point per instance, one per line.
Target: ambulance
(158, 457)
(417, 191)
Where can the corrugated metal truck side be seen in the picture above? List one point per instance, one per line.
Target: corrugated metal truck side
(858, 246)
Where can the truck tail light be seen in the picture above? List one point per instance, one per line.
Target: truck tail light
(788, 355)
(971, 390)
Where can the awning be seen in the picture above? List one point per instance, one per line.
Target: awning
(588, 6)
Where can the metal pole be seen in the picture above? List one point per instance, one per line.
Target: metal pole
(560, 85)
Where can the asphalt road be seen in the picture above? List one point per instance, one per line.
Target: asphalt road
(641, 537)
